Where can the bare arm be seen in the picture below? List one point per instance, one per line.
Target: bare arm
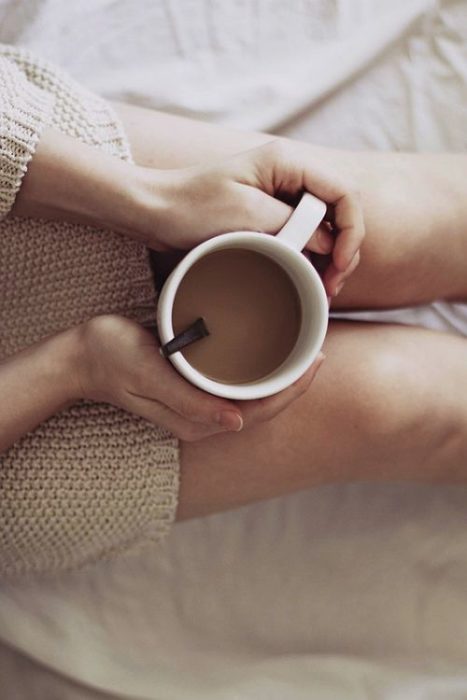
(35, 384)
(178, 208)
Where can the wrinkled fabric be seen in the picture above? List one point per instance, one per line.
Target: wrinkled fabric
(352, 591)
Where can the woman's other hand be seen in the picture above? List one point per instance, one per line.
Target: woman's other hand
(179, 208)
(254, 190)
(119, 363)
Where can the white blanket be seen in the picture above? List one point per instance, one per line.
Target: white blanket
(345, 592)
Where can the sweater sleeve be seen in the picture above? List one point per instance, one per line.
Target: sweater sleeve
(93, 480)
(25, 110)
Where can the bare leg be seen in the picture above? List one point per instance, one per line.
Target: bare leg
(388, 404)
(415, 205)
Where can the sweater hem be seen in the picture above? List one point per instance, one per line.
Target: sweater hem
(28, 113)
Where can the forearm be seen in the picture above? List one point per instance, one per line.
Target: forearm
(69, 180)
(161, 140)
(35, 384)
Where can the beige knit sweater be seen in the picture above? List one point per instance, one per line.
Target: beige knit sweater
(92, 480)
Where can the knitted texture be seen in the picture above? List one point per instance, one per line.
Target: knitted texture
(24, 109)
(93, 480)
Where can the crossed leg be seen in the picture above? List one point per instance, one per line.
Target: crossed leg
(388, 404)
(389, 401)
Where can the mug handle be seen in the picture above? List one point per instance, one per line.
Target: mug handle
(303, 222)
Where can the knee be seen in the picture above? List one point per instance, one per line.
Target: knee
(390, 397)
(399, 411)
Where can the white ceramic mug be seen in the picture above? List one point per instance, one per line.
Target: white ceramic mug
(285, 248)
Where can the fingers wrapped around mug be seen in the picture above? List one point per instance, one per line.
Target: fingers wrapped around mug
(286, 172)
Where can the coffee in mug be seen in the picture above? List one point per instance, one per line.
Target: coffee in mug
(252, 311)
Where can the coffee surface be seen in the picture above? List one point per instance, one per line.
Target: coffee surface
(251, 309)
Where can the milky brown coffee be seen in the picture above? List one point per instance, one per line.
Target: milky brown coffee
(251, 309)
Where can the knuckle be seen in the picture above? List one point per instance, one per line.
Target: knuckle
(190, 433)
(191, 411)
(275, 150)
(105, 326)
(105, 322)
(186, 409)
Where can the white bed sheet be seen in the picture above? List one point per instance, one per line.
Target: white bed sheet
(356, 591)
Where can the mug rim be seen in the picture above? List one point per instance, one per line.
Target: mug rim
(264, 386)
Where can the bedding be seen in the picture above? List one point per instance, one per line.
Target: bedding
(344, 592)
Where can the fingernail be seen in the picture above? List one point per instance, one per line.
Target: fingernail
(338, 289)
(357, 255)
(230, 420)
(318, 363)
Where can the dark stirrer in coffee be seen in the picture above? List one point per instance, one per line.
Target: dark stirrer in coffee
(196, 331)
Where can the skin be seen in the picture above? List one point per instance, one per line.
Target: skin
(370, 415)
(372, 391)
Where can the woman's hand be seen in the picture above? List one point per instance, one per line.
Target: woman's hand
(253, 190)
(114, 360)
(119, 363)
(176, 209)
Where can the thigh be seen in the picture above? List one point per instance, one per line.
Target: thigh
(388, 403)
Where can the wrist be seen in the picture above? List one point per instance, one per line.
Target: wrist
(61, 366)
(72, 181)
(36, 383)
(151, 209)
